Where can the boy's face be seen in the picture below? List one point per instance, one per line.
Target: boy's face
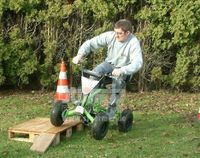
(121, 35)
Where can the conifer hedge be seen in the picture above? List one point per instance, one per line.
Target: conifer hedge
(36, 34)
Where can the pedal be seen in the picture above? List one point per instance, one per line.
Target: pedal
(85, 120)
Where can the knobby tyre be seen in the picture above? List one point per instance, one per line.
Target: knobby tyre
(56, 113)
(100, 126)
(125, 121)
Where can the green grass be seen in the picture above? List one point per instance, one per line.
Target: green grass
(164, 126)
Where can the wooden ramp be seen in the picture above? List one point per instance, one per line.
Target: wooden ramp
(42, 133)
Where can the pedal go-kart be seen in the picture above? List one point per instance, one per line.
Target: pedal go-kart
(90, 109)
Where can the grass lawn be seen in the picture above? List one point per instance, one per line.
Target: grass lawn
(164, 126)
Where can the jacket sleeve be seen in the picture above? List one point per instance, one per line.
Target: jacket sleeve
(136, 60)
(95, 43)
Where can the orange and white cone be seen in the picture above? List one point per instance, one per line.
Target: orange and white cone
(198, 115)
(62, 91)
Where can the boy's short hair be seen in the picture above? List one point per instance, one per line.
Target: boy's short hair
(124, 24)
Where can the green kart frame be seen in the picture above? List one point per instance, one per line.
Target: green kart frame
(90, 109)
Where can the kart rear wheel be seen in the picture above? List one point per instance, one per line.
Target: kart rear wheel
(56, 113)
(100, 126)
(125, 121)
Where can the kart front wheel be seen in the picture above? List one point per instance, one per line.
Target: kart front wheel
(56, 113)
(125, 121)
(100, 126)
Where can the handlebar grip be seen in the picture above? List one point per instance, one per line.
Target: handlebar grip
(92, 73)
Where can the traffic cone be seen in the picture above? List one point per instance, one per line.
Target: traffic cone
(62, 91)
(198, 115)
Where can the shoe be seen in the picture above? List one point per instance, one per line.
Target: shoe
(111, 111)
(77, 103)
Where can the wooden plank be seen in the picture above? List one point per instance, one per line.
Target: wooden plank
(22, 139)
(42, 142)
(34, 125)
(67, 124)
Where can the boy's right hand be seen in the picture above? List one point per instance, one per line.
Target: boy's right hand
(77, 59)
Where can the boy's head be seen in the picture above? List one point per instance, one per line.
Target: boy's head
(122, 29)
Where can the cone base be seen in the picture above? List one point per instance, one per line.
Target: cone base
(62, 97)
(198, 116)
